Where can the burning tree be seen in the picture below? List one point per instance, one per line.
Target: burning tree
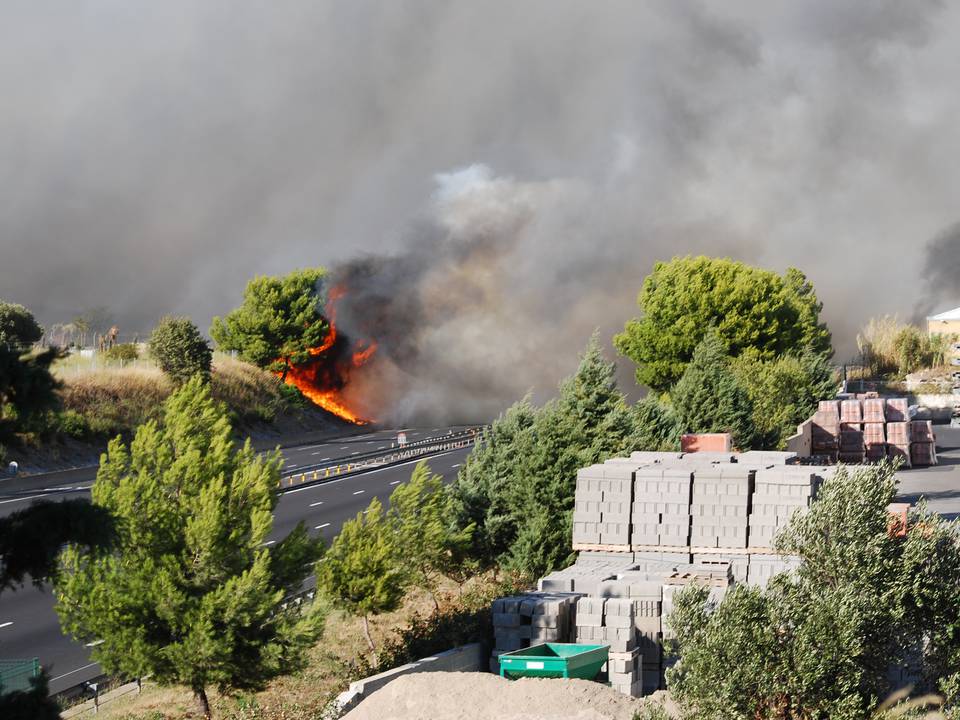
(287, 325)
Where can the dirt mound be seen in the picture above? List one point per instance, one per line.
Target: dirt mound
(482, 696)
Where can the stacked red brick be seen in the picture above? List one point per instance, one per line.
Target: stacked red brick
(874, 429)
(923, 450)
(898, 430)
(826, 429)
(851, 432)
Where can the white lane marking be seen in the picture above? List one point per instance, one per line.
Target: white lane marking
(291, 465)
(94, 643)
(316, 453)
(455, 465)
(23, 499)
(6, 624)
(321, 527)
(365, 512)
(269, 542)
(382, 447)
(355, 453)
(347, 447)
(89, 665)
(359, 492)
(396, 482)
(319, 502)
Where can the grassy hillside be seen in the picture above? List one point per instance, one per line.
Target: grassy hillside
(103, 400)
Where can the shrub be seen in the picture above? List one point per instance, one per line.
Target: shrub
(784, 392)
(122, 353)
(180, 350)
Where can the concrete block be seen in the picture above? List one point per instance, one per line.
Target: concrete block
(539, 635)
(506, 620)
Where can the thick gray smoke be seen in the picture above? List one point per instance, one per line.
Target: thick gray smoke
(528, 161)
(941, 274)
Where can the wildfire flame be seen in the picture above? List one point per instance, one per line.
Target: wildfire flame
(323, 377)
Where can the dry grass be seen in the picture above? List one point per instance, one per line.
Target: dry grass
(102, 401)
(331, 666)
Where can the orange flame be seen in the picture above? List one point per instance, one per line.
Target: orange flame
(321, 379)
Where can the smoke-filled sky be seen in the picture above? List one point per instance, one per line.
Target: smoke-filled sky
(154, 156)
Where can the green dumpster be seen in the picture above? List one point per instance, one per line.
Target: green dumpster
(555, 660)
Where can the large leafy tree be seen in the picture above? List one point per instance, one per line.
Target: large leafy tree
(709, 398)
(19, 329)
(784, 392)
(755, 311)
(363, 571)
(819, 642)
(27, 387)
(179, 349)
(280, 321)
(190, 594)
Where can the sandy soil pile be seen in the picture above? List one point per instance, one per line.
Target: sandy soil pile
(482, 696)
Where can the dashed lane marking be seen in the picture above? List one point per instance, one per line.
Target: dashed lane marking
(359, 492)
(321, 527)
(318, 502)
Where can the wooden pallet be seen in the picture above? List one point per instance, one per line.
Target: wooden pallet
(671, 549)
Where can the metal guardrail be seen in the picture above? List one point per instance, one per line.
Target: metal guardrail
(422, 448)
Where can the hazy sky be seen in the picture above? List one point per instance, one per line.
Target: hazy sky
(155, 155)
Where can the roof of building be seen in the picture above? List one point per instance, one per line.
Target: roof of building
(948, 315)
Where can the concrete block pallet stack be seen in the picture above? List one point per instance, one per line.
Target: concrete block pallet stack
(720, 500)
(778, 494)
(660, 510)
(923, 450)
(531, 619)
(601, 513)
(852, 448)
(875, 441)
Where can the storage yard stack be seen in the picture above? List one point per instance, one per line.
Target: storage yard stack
(898, 442)
(721, 495)
(923, 451)
(602, 507)
(778, 493)
(826, 429)
(531, 619)
(660, 510)
(870, 429)
(689, 521)
(875, 441)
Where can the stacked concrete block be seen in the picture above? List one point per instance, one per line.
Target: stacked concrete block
(898, 441)
(875, 440)
(779, 493)
(601, 514)
(738, 563)
(852, 446)
(765, 458)
(720, 502)
(531, 619)
(625, 672)
(643, 457)
(660, 511)
(618, 625)
(922, 443)
(764, 567)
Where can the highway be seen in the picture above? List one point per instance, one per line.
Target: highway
(29, 626)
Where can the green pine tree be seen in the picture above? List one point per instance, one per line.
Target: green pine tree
(709, 398)
(420, 513)
(363, 572)
(189, 594)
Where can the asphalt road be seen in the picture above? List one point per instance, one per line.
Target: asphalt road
(29, 626)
